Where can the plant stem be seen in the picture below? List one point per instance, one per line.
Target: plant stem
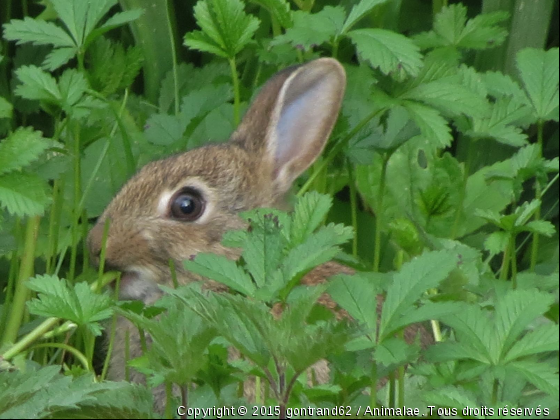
(373, 386)
(353, 207)
(379, 213)
(77, 194)
(236, 94)
(513, 258)
(463, 191)
(505, 262)
(77, 354)
(17, 309)
(538, 195)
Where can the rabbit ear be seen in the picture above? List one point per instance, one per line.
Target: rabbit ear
(292, 117)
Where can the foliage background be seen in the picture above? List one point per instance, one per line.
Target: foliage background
(447, 142)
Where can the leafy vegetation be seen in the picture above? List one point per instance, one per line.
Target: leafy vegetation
(438, 186)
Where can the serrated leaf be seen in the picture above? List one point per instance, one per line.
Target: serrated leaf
(475, 332)
(359, 11)
(222, 270)
(541, 227)
(43, 392)
(502, 85)
(23, 194)
(164, 130)
(432, 125)
(498, 123)
(38, 32)
(452, 350)
(280, 9)
(437, 310)
(58, 57)
(78, 304)
(449, 97)
(514, 312)
(542, 339)
(389, 51)
(415, 277)
(226, 28)
(21, 148)
(357, 294)
(496, 242)
(394, 351)
(121, 18)
(317, 249)
(309, 212)
(539, 73)
(37, 85)
(312, 29)
(452, 397)
(539, 374)
(398, 129)
(81, 17)
(72, 85)
(525, 211)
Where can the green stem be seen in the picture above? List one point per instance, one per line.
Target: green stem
(77, 354)
(463, 191)
(538, 195)
(505, 262)
(54, 224)
(353, 207)
(373, 386)
(236, 93)
(379, 213)
(495, 388)
(77, 196)
(513, 258)
(48, 325)
(17, 308)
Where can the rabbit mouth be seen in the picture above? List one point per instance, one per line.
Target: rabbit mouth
(136, 285)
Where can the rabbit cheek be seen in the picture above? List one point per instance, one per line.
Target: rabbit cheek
(135, 287)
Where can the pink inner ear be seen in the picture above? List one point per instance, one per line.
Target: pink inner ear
(308, 111)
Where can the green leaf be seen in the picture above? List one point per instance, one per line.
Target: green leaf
(449, 396)
(539, 374)
(309, 212)
(23, 194)
(415, 277)
(226, 28)
(37, 85)
(179, 341)
(121, 18)
(498, 123)
(280, 9)
(451, 28)
(452, 350)
(312, 29)
(58, 57)
(164, 130)
(21, 148)
(389, 51)
(72, 85)
(358, 12)
(222, 270)
(5, 108)
(543, 339)
(39, 32)
(40, 393)
(539, 72)
(398, 129)
(541, 227)
(475, 332)
(78, 304)
(514, 312)
(496, 242)
(432, 125)
(317, 249)
(81, 17)
(358, 295)
(450, 98)
(394, 351)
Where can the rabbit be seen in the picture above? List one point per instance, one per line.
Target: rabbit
(177, 207)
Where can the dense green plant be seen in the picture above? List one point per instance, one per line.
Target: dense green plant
(444, 161)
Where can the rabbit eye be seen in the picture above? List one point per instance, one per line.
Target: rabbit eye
(187, 205)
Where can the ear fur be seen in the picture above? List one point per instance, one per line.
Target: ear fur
(290, 120)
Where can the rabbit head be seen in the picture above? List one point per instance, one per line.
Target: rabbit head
(177, 207)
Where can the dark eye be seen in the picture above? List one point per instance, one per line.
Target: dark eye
(187, 205)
